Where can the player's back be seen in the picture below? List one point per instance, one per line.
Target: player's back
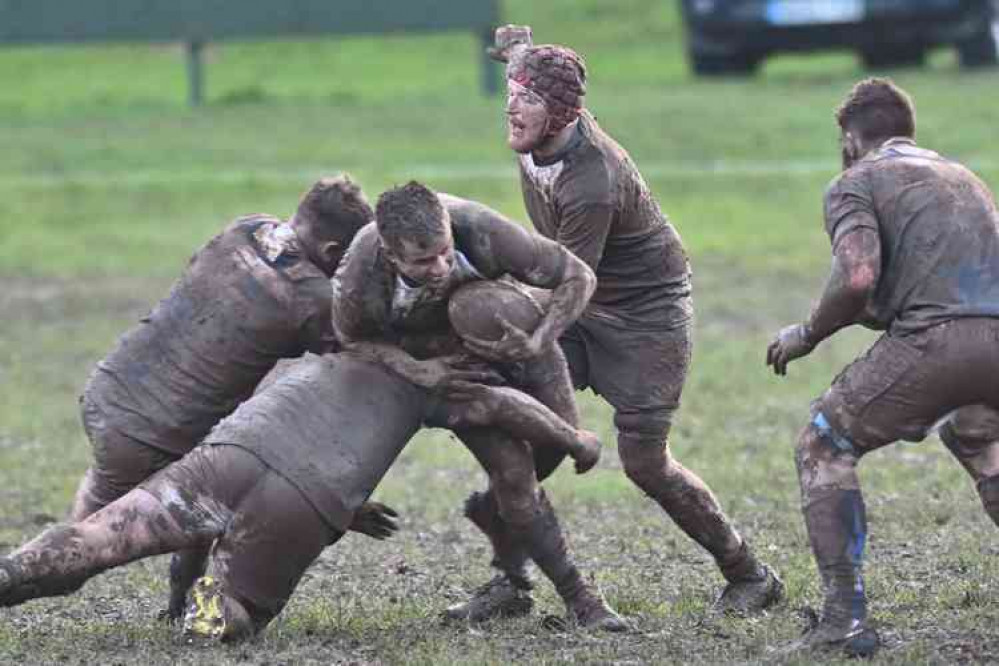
(939, 233)
(238, 308)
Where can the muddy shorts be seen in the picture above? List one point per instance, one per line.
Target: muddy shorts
(267, 532)
(639, 372)
(903, 386)
(120, 462)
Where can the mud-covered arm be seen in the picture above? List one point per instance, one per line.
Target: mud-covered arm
(852, 281)
(856, 269)
(539, 262)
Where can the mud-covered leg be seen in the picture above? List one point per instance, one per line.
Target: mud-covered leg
(274, 534)
(970, 437)
(544, 541)
(185, 568)
(88, 499)
(62, 558)
(508, 594)
(752, 586)
(530, 522)
(836, 521)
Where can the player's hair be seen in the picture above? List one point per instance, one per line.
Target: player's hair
(335, 208)
(412, 212)
(877, 109)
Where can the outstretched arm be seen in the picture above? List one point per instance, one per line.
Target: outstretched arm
(856, 269)
(435, 374)
(522, 416)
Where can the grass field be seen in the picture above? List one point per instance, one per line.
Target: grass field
(109, 182)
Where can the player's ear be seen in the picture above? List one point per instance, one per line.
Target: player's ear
(387, 251)
(330, 251)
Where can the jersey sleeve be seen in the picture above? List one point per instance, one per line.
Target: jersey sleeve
(849, 205)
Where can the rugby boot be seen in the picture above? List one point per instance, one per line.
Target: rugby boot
(589, 610)
(500, 597)
(212, 616)
(752, 594)
(854, 639)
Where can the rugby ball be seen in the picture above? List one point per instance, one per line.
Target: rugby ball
(475, 308)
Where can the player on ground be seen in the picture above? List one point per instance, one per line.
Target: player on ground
(632, 343)
(274, 483)
(391, 295)
(254, 294)
(915, 243)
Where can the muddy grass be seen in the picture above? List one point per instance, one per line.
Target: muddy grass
(931, 558)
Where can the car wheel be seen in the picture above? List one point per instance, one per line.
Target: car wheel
(739, 64)
(890, 56)
(979, 50)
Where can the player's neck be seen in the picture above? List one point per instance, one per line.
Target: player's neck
(553, 147)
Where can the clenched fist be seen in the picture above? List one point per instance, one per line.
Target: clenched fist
(507, 38)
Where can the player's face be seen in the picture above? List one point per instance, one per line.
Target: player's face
(526, 118)
(428, 262)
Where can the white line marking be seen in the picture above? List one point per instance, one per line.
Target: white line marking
(457, 172)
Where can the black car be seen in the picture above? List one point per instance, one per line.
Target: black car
(734, 36)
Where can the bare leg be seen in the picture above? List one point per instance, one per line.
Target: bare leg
(63, 557)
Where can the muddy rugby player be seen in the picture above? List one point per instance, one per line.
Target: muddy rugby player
(915, 244)
(256, 293)
(632, 343)
(276, 482)
(391, 301)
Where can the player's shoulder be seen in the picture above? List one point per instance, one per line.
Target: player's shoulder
(247, 224)
(595, 164)
(473, 216)
(362, 258)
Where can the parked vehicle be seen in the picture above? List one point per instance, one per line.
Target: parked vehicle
(735, 36)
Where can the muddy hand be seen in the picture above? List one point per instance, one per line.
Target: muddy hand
(792, 342)
(376, 520)
(506, 39)
(515, 345)
(439, 374)
(587, 455)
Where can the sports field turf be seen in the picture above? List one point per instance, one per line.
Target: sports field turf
(108, 182)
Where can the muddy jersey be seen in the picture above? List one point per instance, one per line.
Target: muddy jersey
(591, 199)
(247, 298)
(372, 302)
(939, 234)
(331, 425)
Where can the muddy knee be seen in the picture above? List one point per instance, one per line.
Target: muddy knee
(824, 458)
(644, 452)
